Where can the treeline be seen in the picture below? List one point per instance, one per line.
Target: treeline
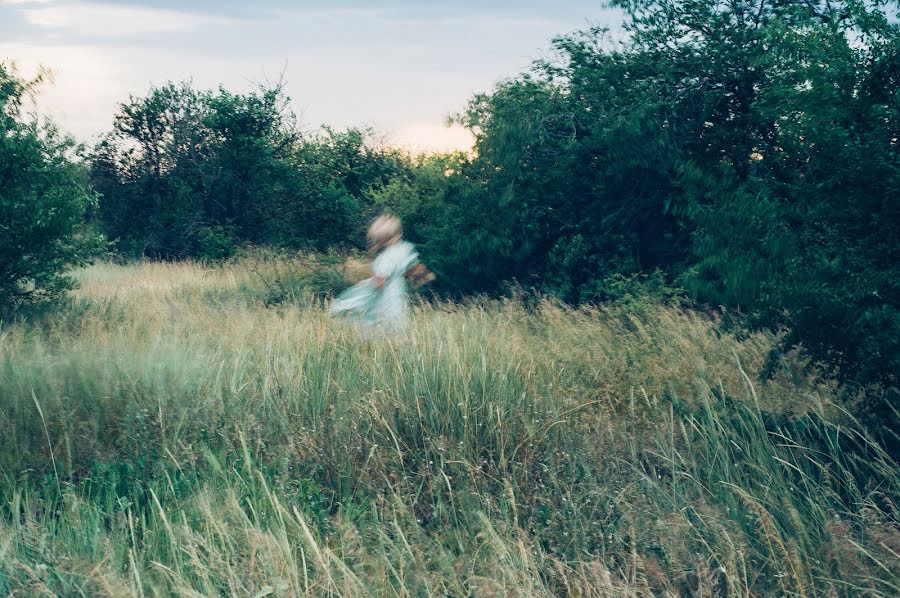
(744, 152)
(186, 173)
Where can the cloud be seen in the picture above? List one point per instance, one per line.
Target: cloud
(98, 20)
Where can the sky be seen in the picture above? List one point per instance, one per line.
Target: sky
(396, 65)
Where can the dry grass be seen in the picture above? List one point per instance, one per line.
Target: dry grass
(180, 429)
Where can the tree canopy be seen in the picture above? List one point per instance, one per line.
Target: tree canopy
(45, 199)
(188, 173)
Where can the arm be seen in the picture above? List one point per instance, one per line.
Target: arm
(417, 274)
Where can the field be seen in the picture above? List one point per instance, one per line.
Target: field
(191, 430)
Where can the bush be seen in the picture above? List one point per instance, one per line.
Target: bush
(216, 242)
(44, 199)
(190, 173)
(636, 291)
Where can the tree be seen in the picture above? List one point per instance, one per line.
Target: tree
(571, 180)
(189, 173)
(44, 199)
(790, 171)
(149, 172)
(747, 150)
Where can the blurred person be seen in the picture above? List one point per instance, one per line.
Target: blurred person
(381, 301)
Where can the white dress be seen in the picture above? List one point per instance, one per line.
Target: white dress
(384, 308)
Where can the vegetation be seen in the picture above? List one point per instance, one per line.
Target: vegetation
(186, 173)
(44, 199)
(748, 151)
(671, 367)
(168, 433)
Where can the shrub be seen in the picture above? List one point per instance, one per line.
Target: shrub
(44, 199)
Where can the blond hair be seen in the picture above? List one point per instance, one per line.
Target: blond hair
(382, 231)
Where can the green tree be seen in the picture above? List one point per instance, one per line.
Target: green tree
(44, 199)
(148, 172)
(190, 173)
(748, 150)
(571, 182)
(337, 171)
(790, 170)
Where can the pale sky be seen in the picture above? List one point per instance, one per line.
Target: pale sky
(397, 65)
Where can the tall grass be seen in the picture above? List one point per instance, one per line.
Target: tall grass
(199, 431)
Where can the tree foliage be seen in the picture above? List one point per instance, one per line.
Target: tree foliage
(195, 173)
(44, 200)
(790, 173)
(747, 150)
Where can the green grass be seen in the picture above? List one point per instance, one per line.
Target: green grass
(193, 431)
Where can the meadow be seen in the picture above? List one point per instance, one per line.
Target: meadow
(194, 430)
